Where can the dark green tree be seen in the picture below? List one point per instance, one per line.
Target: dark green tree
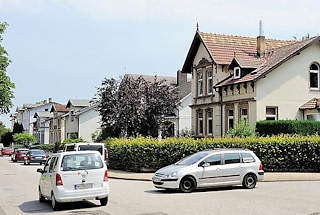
(6, 86)
(17, 128)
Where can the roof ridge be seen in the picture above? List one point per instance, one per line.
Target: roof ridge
(231, 35)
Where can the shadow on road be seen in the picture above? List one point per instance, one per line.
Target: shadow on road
(34, 207)
(214, 189)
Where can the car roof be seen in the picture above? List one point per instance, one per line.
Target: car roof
(70, 144)
(75, 152)
(227, 150)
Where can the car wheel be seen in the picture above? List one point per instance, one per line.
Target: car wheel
(104, 201)
(55, 205)
(28, 162)
(249, 181)
(24, 162)
(41, 198)
(40, 163)
(187, 184)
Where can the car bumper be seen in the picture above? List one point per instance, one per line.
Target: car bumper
(63, 195)
(260, 175)
(166, 183)
(38, 161)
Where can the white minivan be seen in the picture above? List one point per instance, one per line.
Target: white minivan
(100, 147)
(74, 176)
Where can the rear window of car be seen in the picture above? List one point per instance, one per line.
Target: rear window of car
(23, 151)
(70, 148)
(39, 152)
(90, 148)
(247, 158)
(75, 162)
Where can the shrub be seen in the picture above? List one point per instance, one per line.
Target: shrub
(276, 127)
(77, 140)
(277, 153)
(242, 129)
(24, 139)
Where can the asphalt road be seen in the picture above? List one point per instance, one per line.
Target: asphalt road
(18, 195)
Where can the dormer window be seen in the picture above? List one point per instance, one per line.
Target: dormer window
(236, 72)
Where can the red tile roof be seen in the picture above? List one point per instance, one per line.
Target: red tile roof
(271, 60)
(312, 104)
(60, 107)
(223, 48)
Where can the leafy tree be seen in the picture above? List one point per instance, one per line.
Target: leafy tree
(17, 128)
(3, 130)
(130, 106)
(24, 139)
(6, 86)
(7, 138)
(242, 129)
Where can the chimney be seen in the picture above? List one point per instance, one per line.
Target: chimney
(181, 77)
(50, 100)
(261, 41)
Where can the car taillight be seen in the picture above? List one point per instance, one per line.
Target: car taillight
(260, 167)
(105, 178)
(58, 180)
(46, 156)
(30, 156)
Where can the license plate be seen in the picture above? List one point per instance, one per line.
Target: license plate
(38, 157)
(83, 186)
(156, 179)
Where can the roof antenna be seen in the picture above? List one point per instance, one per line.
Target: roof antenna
(260, 28)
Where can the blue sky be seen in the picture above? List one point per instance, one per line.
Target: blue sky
(64, 48)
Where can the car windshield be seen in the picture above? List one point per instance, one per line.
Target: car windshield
(192, 159)
(81, 161)
(39, 152)
(90, 148)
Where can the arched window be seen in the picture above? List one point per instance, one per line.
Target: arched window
(314, 76)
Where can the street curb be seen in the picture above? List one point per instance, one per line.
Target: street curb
(130, 179)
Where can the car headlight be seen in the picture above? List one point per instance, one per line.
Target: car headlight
(173, 174)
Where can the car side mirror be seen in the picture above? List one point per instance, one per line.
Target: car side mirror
(205, 164)
(40, 171)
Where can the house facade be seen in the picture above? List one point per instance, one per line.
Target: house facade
(57, 127)
(254, 79)
(41, 126)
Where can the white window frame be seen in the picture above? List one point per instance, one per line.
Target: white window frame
(230, 117)
(235, 74)
(243, 117)
(208, 119)
(317, 116)
(318, 74)
(200, 84)
(200, 131)
(272, 115)
(208, 80)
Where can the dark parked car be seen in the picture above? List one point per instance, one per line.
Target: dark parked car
(19, 155)
(35, 156)
(7, 151)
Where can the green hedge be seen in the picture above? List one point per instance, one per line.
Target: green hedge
(277, 153)
(276, 127)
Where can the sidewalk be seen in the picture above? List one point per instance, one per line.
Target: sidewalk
(268, 176)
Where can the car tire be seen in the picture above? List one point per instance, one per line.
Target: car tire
(249, 181)
(104, 201)
(41, 197)
(187, 184)
(54, 204)
(40, 163)
(28, 162)
(24, 162)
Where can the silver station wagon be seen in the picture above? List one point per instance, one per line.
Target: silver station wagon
(220, 167)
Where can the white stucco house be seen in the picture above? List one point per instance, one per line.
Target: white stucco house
(236, 77)
(41, 126)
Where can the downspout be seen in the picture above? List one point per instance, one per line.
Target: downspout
(221, 111)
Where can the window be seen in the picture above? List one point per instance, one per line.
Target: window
(213, 160)
(53, 164)
(209, 122)
(74, 162)
(237, 72)
(271, 113)
(314, 76)
(200, 123)
(230, 119)
(71, 116)
(313, 117)
(46, 167)
(209, 84)
(244, 114)
(231, 158)
(247, 158)
(200, 84)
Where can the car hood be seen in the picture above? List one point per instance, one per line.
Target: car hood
(169, 169)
